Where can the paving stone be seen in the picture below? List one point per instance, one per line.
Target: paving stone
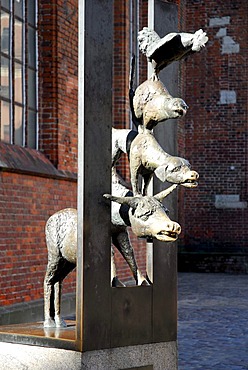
(212, 321)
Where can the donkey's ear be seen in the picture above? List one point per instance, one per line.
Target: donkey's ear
(160, 172)
(130, 201)
(164, 193)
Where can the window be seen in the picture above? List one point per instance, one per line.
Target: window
(18, 91)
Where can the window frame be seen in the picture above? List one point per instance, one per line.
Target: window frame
(27, 63)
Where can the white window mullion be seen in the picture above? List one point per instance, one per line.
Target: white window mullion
(37, 81)
(20, 54)
(11, 27)
(24, 76)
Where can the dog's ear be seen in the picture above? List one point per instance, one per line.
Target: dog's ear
(160, 172)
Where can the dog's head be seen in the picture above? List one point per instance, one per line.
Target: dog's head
(177, 171)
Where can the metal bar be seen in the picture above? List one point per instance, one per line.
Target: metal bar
(80, 191)
(165, 254)
(149, 245)
(94, 174)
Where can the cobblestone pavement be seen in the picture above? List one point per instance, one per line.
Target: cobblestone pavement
(213, 321)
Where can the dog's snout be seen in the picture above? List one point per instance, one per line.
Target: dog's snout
(194, 175)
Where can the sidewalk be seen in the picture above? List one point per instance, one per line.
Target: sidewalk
(213, 321)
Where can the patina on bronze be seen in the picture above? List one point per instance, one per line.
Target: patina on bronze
(148, 157)
(146, 215)
(152, 104)
(173, 46)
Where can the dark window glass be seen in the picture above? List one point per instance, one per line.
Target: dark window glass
(18, 63)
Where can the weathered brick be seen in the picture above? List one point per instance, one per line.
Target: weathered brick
(211, 138)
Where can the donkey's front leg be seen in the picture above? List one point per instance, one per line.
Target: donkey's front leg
(122, 242)
(115, 282)
(147, 179)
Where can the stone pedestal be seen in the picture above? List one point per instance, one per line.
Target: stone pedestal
(159, 356)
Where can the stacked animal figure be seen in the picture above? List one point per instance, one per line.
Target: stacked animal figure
(150, 104)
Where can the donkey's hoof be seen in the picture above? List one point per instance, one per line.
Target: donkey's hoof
(60, 323)
(117, 283)
(145, 283)
(49, 323)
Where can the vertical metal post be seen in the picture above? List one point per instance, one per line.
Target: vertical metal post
(110, 317)
(165, 254)
(94, 174)
(80, 192)
(149, 246)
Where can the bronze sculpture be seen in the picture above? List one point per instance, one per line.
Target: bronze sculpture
(150, 104)
(148, 218)
(146, 157)
(173, 46)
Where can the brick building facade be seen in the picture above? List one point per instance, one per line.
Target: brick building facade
(37, 181)
(214, 136)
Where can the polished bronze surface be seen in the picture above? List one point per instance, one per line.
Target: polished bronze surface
(36, 329)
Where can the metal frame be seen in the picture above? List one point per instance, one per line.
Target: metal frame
(113, 317)
(108, 317)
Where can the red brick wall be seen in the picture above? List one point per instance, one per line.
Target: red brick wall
(67, 57)
(48, 74)
(143, 22)
(26, 202)
(216, 133)
(121, 64)
(58, 82)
